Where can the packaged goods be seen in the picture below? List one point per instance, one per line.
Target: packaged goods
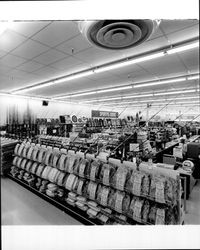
(40, 169)
(70, 162)
(91, 191)
(145, 185)
(70, 181)
(61, 162)
(102, 195)
(145, 211)
(152, 214)
(95, 170)
(106, 174)
(137, 183)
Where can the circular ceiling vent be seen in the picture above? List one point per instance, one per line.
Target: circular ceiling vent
(117, 34)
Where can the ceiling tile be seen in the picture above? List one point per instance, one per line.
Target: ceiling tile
(21, 74)
(190, 58)
(9, 83)
(11, 60)
(183, 35)
(4, 69)
(49, 57)
(57, 32)
(28, 28)
(9, 40)
(66, 63)
(2, 53)
(136, 76)
(95, 56)
(47, 73)
(125, 71)
(164, 66)
(101, 76)
(71, 69)
(30, 49)
(170, 26)
(78, 44)
(30, 66)
(108, 81)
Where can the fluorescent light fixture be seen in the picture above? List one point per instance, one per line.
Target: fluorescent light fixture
(160, 82)
(129, 62)
(193, 77)
(25, 97)
(183, 48)
(95, 92)
(154, 100)
(75, 95)
(120, 98)
(144, 95)
(33, 87)
(176, 92)
(75, 76)
(114, 89)
(160, 105)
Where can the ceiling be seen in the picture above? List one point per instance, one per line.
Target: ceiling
(38, 51)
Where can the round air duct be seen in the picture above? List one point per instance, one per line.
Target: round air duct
(117, 34)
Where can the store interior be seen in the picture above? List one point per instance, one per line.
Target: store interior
(100, 122)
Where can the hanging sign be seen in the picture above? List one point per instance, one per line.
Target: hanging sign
(104, 114)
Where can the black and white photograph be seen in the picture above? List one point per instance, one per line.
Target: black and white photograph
(99, 127)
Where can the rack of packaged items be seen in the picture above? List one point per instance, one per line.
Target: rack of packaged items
(105, 189)
(7, 146)
(80, 144)
(96, 122)
(21, 130)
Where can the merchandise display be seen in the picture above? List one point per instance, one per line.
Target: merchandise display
(143, 194)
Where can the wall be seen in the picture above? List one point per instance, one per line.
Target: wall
(20, 108)
(28, 107)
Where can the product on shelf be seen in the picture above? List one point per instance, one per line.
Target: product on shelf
(107, 173)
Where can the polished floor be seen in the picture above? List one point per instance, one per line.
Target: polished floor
(21, 207)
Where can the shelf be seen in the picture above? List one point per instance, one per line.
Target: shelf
(74, 212)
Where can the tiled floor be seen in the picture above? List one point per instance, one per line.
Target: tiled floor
(192, 216)
(21, 207)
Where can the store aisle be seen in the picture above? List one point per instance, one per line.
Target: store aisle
(21, 207)
(192, 216)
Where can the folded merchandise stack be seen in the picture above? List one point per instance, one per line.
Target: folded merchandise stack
(71, 198)
(81, 203)
(51, 190)
(21, 174)
(14, 171)
(43, 186)
(38, 183)
(93, 210)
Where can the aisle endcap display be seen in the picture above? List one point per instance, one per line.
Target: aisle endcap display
(122, 187)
